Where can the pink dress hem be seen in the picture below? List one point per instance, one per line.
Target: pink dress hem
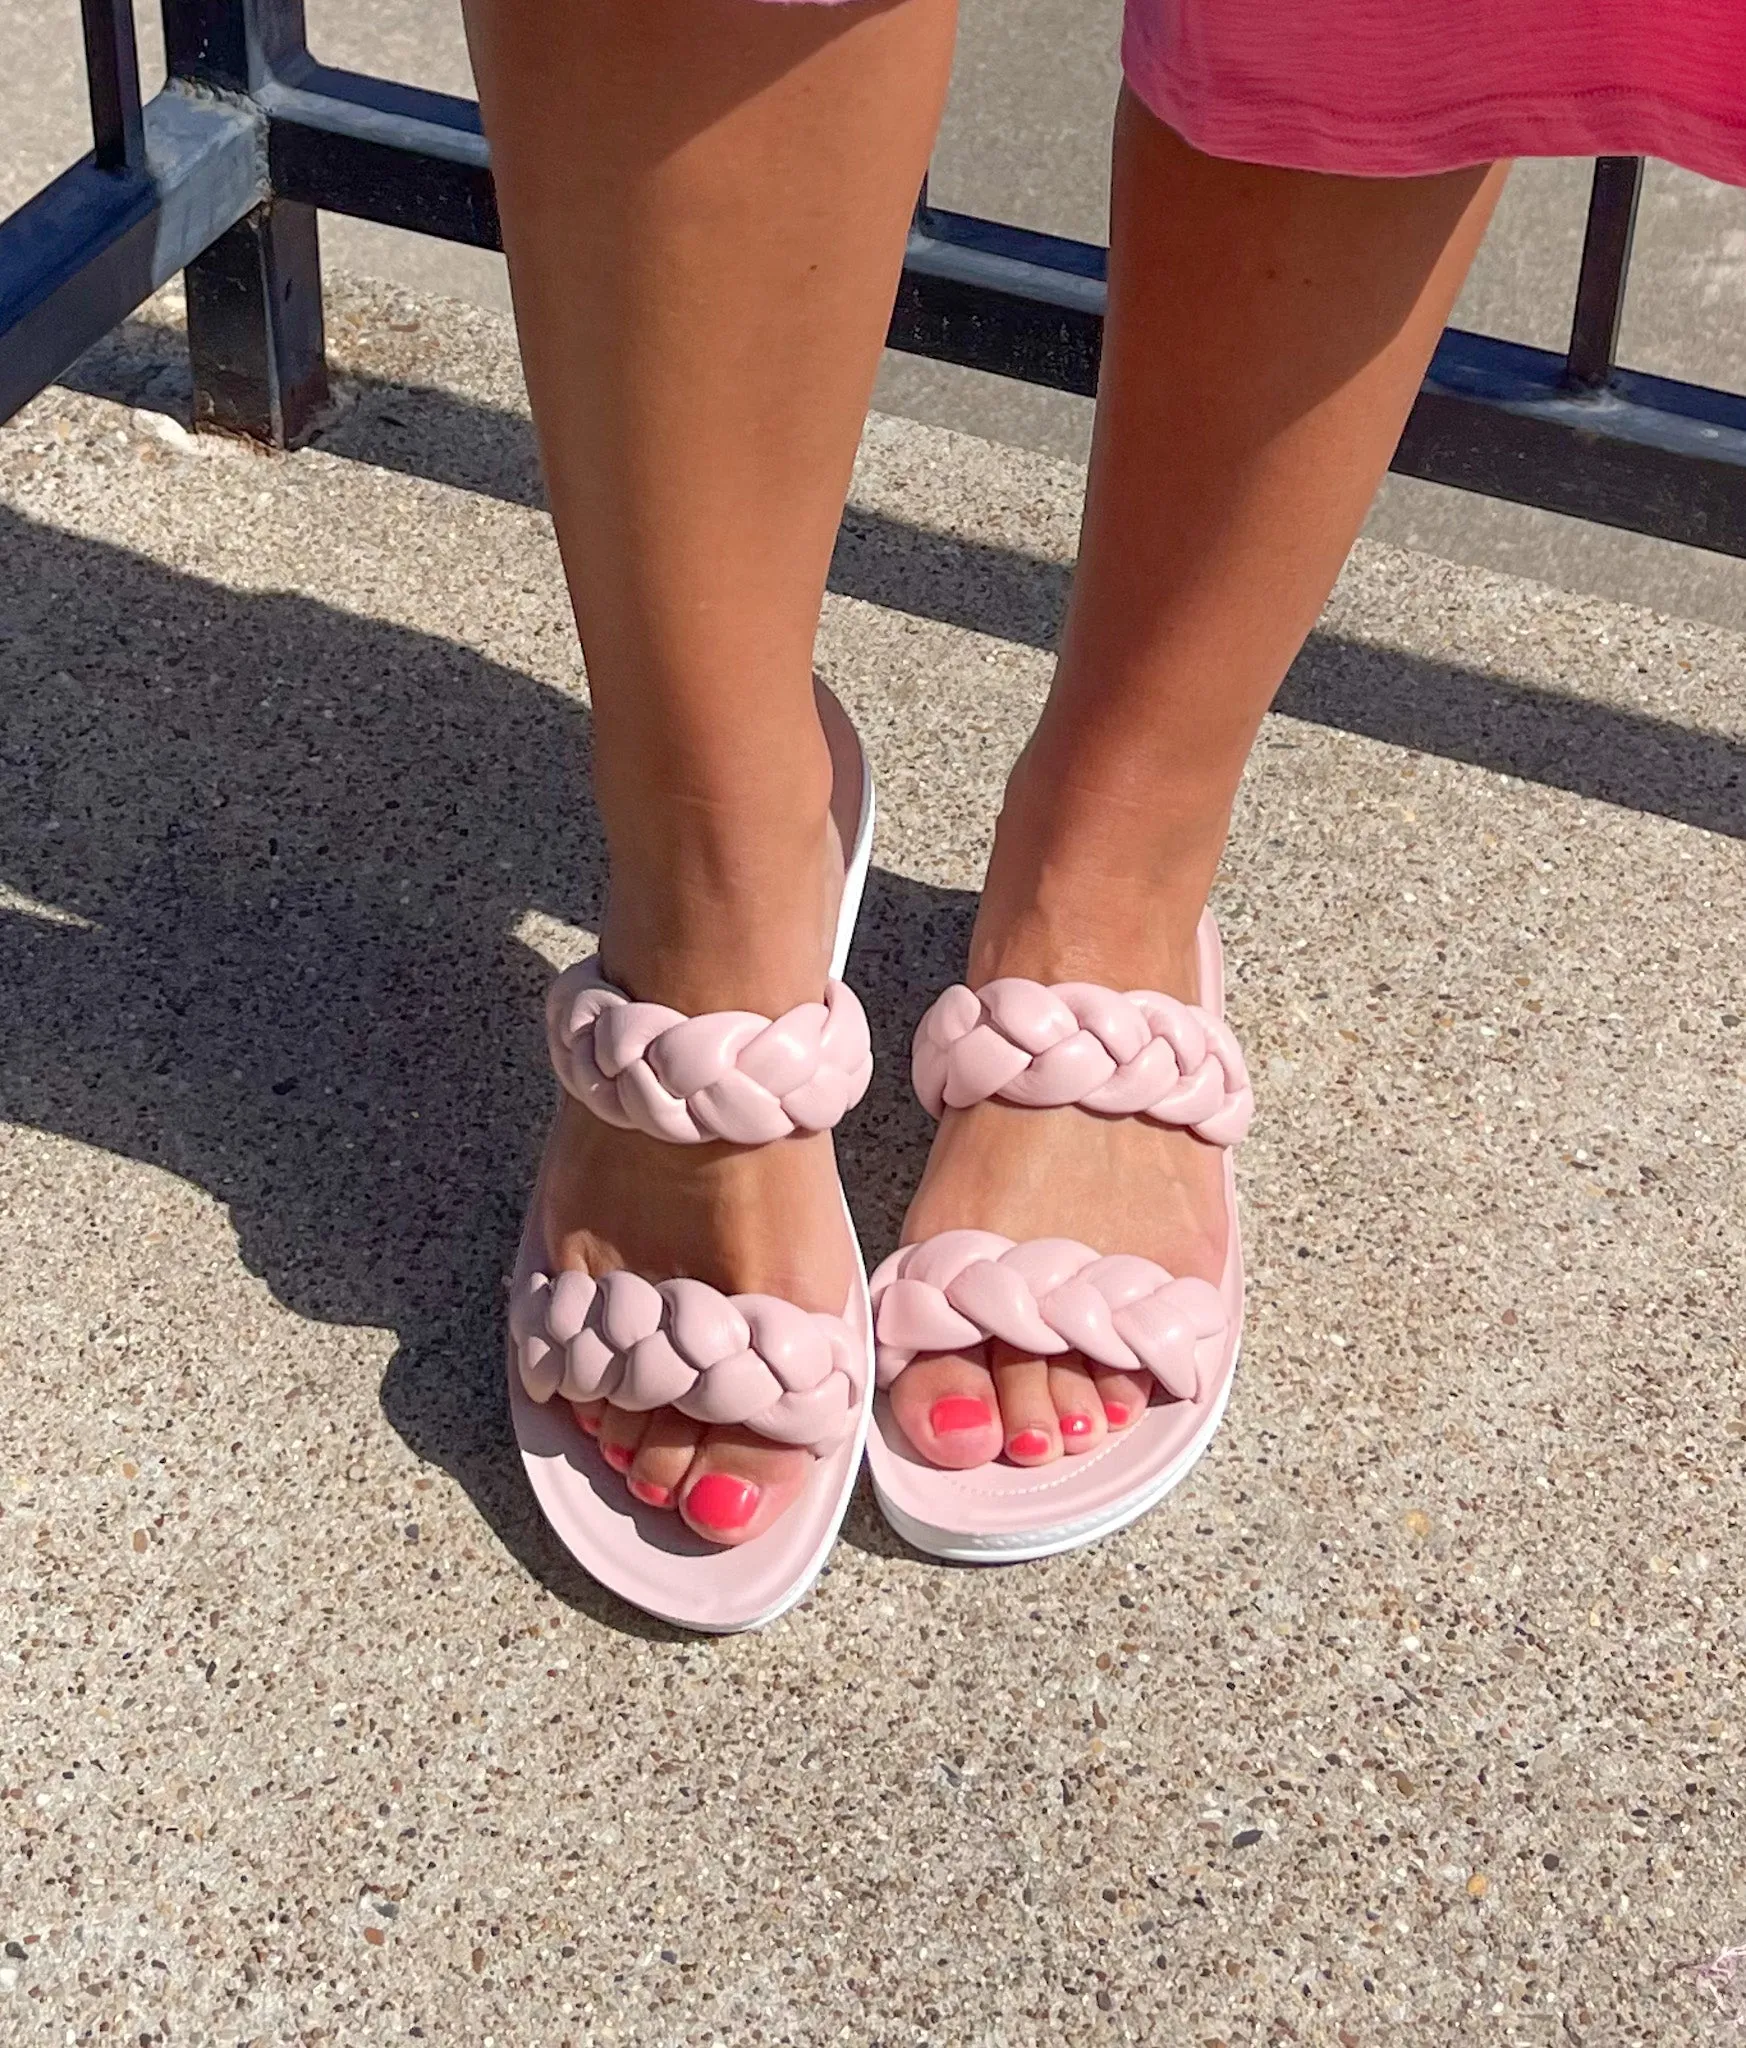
(1319, 138)
(1403, 88)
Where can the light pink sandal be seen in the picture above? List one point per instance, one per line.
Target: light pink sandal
(1140, 1054)
(792, 1375)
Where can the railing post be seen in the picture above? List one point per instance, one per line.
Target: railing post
(1606, 262)
(256, 338)
(112, 83)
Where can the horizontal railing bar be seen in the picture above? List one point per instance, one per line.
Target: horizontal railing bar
(1056, 254)
(381, 151)
(89, 248)
(1017, 310)
(309, 82)
(112, 84)
(1648, 454)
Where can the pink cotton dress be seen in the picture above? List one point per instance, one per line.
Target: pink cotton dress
(1395, 88)
(1389, 88)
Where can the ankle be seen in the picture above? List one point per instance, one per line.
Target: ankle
(1096, 886)
(1062, 933)
(718, 912)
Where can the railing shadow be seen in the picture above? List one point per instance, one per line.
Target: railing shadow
(1604, 751)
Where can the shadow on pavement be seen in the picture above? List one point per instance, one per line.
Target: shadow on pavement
(289, 849)
(1609, 752)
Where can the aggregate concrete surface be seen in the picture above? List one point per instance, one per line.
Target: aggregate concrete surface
(1417, 1713)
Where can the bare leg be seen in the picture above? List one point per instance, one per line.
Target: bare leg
(1267, 332)
(704, 205)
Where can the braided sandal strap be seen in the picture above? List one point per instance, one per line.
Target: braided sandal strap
(1046, 1296)
(1044, 1046)
(729, 1074)
(790, 1373)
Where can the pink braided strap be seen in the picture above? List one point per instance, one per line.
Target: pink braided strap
(1046, 1296)
(789, 1373)
(1139, 1054)
(730, 1074)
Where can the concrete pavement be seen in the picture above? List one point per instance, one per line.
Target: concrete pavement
(1418, 1714)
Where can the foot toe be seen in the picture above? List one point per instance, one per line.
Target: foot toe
(947, 1407)
(1122, 1395)
(621, 1431)
(663, 1457)
(739, 1483)
(1028, 1419)
(1077, 1407)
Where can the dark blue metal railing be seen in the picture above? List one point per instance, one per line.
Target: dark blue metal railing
(222, 174)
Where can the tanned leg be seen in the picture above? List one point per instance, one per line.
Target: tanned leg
(1267, 333)
(704, 205)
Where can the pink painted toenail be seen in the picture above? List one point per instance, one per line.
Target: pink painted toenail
(618, 1456)
(591, 1423)
(1029, 1443)
(651, 1495)
(958, 1412)
(1076, 1425)
(1116, 1414)
(722, 1501)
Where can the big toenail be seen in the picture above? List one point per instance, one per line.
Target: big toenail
(722, 1501)
(651, 1495)
(1116, 1413)
(1029, 1443)
(618, 1456)
(1076, 1425)
(958, 1412)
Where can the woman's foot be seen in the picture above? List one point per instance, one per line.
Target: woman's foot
(1116, 1184)
(763, 1220)
(748, 932)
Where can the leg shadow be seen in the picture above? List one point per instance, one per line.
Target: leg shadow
(277, 856)
(269, 863)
